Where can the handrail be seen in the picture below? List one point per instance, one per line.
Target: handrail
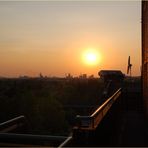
(29, 139)
(106, 102)
(12, 124)
(91, 122)
(15, 139)
(63, 144)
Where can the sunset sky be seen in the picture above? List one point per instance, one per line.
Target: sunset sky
(52, 37)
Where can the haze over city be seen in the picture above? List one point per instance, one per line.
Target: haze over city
(56, 38)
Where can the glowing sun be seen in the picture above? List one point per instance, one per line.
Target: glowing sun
(91, 57)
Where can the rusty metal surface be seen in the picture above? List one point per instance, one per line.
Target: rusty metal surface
(145, 53)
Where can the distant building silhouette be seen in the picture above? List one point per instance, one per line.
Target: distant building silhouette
(24, 77)
(69, 76)
(83, 76)
(91, 77)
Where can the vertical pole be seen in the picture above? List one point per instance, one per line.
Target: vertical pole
(145, 54)
(130, 72)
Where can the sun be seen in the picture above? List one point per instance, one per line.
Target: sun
(91, 57)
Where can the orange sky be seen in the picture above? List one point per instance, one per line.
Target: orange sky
(50, 37)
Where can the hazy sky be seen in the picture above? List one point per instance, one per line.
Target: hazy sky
(50, 37)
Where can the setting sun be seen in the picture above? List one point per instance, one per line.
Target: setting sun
(91, 57)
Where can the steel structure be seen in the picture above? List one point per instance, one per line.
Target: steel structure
(145, 53)
(91, 122)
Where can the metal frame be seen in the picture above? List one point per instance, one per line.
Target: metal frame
(91, 122)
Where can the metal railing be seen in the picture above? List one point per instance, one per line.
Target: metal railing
(9, 138)
(84, 123)
(91, 122)
(66, 142)
(12, 124)
(12, 139)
